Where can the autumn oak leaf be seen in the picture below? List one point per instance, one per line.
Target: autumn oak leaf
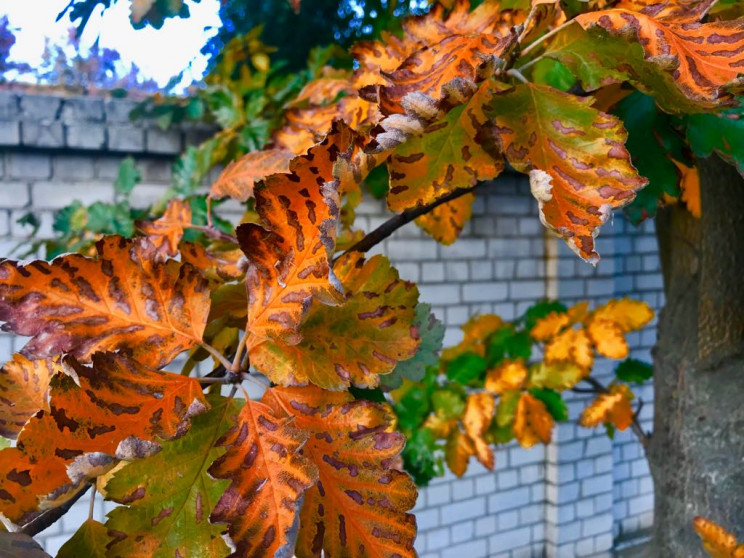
(238, 178)
(359, 505)
(269, 476)
(24, 386)
(575, 155)
(717, 541)
(612, 407)
(532, 421)
(289, 256)
(124, 300)
(166, 232)
(356, 342)
(83, 434)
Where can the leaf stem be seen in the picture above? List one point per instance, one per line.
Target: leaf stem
(92, 506)
(397, 221)
(517, 74)
(217, 355)
(545, 37)
(213, 232)
(239, 353)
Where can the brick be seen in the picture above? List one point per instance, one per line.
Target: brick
(438, 494)
(40, 107)
(82, 109)
(597, 525)
(485, 525)
(596, 485)
(118, 110)
(456, 271)
(439, 538)
(40, 134)
(462, 531)
(410, 249)
(9, 108)
(432, 272)
(163, 141)
(484, 292)
(59, 195)
(427, 519)
(485, 484)
(508, 499)
(468, 509)
(10, 133)
(13, 195)
(509, 540)
(73, 167)
(508, 247)
(468, 249)
(86, 136)
(473, 549)
(653, 282)
(439, 294)
(29, 166)
(126, 138)
(526, 290)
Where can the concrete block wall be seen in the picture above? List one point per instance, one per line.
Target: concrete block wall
(582, 495)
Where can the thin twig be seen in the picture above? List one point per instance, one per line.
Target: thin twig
(216, 354)
(523, 67)
(397, 221)
(517, 74)
(49, 517)
(233, 391)
(545, 37)
(239, 353)
(92, 501)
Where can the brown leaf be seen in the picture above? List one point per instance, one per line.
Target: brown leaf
(166, 233)
(24, 387)
(239, 177)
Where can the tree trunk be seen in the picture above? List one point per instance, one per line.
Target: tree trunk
(696, 453)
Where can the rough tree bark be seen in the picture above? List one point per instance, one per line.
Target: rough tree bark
(696, 453)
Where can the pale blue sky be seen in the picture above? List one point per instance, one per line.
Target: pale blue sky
(160, 54)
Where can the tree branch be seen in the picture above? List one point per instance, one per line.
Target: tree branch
(397, 221)
(49, 517)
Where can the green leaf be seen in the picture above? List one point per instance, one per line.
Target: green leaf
(431, 332)
(553, 73)
(412, 407)
(500, 434)
(448, 404)
(722, 133)
(72, 218)
(89, 540)
(651, 142)
(519, 345)
(496, 345)
(174, 487)
(376, 395)
(540, 310)
(553, 402)
(108, 218)
(507, 408)
(129, 176)
(466, 367)
(632, 370)
(610, 429)
(378, 182)
(421, 457)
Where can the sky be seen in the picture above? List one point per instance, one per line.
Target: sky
(160, 54)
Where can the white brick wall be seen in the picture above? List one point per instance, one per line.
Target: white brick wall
(576, 497)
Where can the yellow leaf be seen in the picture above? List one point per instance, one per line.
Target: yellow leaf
(717, 542)
(571, 345)
(608, 339)
(550, 325)
(440, 426)
(627, 313)
(560, 375)
(532, 423)
(690, 185)
(612, 407)
(508, 375)
(479, 411)
(578, 312)
(457, 451)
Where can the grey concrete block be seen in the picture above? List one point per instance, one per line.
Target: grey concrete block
(10, 133)
(164, 141)
(73, 167)
(9, 106)
(77, 110)
(40, 107)
(118, 110)
(86, 136)
(38, 133)
(14, 194)
(126, 138)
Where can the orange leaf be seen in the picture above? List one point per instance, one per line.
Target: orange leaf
(550, 325)
(703, 59)
(717, 542)
(288, 260)
(607, 324)
(217, 262)
(457, 451)
(479, 410)
(84, 433)
(690, 186)
(269, 477)
(24, 385)
(238, 178)
(358, 507)
(677, 11)
(532, 422)
(445, 222)
(575, 155)
(571, 345)
(125, 299)
(511, 374)
(165, 233)
(353, 343)
(613, 407)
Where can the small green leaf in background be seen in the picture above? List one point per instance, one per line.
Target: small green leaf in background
(553, 402)
(431, 332)
(519, 345)
(448, 404)
(506, 341)
(31, 220)
(466, 367)
(507, 408)
(378, 182)
(610, 429)
(109, 218)
(412, 407)
(422, 458)
(129, 176)
(632, 370)
(375, 395)
(89, 540)
(721, 132)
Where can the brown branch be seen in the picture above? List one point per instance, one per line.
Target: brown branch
(49, 517)
(397, 221)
